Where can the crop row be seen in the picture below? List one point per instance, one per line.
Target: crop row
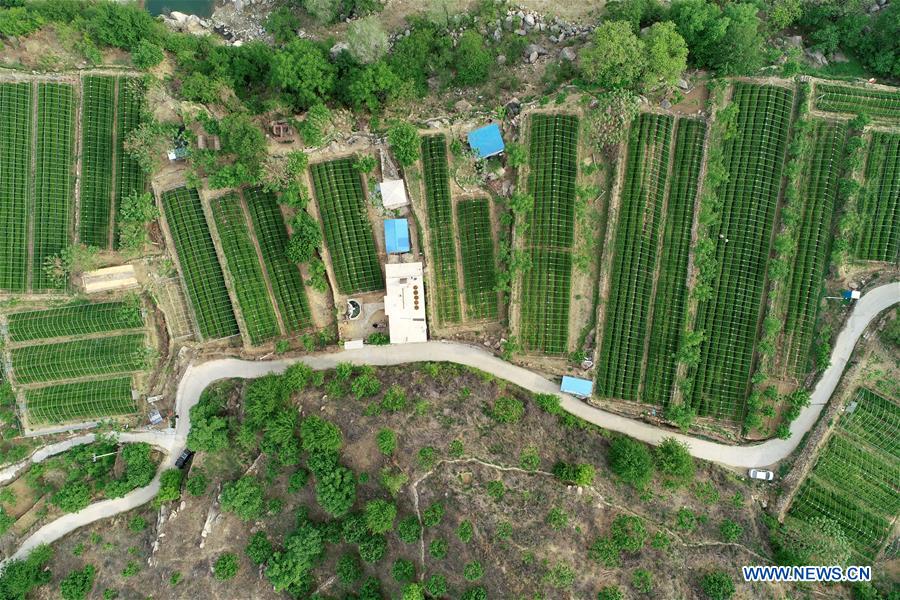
(52, 178)
(476, 246)
(865, 529)
(129, 113)
(204, 281)
(97, 119)
(875, 421)
(671, 285)
(753, 161)
(76, 319)
(440, 228)
(348, 231)
(81, 400)
(854, 100)
(879, 203)
(79, 358)
(635, 249)
(545, 307)
(15, 168)
(545, 294)
(246, 272)
(817, 191)
(287, 284)
(872, 476)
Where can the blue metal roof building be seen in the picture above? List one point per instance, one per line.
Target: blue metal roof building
(581, 388)
(486, 141)
(396, 236)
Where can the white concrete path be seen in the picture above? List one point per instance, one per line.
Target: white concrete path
(198, 377)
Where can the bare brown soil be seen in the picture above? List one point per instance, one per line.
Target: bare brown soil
(445, 403)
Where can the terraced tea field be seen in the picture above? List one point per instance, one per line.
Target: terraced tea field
(879, 202)
(348, 231)
(440, 228)
(754, 157)
(246, 272)
(287, 284)
(817, 190)
(76, 362)
(545, 288)
(479, 267)
(856, 479)
(200, 269)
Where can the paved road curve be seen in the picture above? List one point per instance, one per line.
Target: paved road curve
(198, 376)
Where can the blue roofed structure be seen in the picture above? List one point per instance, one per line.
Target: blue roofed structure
(581, 388)
(396, 236)
(486, 141)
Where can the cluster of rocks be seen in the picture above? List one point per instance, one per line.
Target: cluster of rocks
(816, 58)
(878, 5)
(523, 22)
(187, 23)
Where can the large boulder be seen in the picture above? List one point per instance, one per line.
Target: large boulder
(567, 54)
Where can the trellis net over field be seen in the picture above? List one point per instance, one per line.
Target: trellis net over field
(15, 179)
(545, 297)
(348, 231)
(79, 401)
(878, 237)
(79, 319)
(476, 245)
(97, 119)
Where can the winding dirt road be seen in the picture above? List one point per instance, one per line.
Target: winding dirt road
(198, 377)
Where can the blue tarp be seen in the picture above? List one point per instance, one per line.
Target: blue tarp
(486, 141)
(396, 236)
(577, 387)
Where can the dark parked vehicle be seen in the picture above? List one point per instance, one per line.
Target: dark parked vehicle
(184, 458)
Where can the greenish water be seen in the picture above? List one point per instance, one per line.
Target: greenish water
(201, 8)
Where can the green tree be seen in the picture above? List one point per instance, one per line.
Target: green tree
(615, 57)
(147, 55)
(386, 441)
(283, 24)
(730, 530)
(244, 498)
(819, 541)
(628, 533)
(610, 592)
(325, 11)
(438, 549)
(465, 531)
(557, 519)
(727, 41)
(348, 569)
(507, 410)
(642, 581)
(380, 515)
(306, 237)
(412, 591)
(225, 567)
(403, 570)
(579, 474)
(20, 577)
(289, 569)
(367, 39)
(473, 571)
(169, 486)
(433, 515)
(336, 491)
(302, 70)
(199, 87)
(404, 141)
(630, 460)
(409, 530)
(320, 435)
(197, 484)
(471, 59)
(136, 210)
(72, 496)
(18, 21)
(137, 524)
(78, 584)
(372, 548)
(674, 461)
(259, 548)
(717, 585)
(119, 24)
(666, 53)
(436, 585)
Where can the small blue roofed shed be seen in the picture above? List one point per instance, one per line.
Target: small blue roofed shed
(396, 236)
(486, 141)
(581, 388)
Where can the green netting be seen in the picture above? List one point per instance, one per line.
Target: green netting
(754, 157)
(878, 236)
(79, 319)
(53, 197)
(626, 321)
(287, 284)
(479, 266)
(817, 190)
(243, 264)
(348, 231)
(440, 228)
(79, 401)
(15, 169)
(854, 100)
(545, 305)
(97, 116)
(79, 358)
(200, 267)
(129, 113)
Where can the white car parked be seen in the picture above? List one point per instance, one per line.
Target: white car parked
(761, 475)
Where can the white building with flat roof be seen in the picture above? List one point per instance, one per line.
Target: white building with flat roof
(393, 193)
(404, 303)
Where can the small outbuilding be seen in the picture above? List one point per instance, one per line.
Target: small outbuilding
(851, 294)
(486, 141)
(393, 193)
(396, 236)
(575, 386)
